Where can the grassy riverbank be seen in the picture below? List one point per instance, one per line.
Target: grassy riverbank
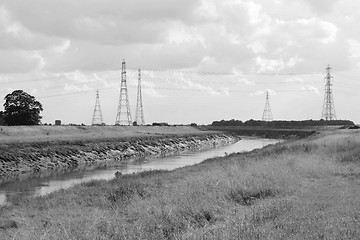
(266, 132)
(32, 151)
(21, 161)
(69, 134)
(304, 189)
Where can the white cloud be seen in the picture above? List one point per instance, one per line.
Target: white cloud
(321, 6)
(257, 47)
(271, 65)
(293, 61)
(149, 89)
(41, 61)
(102, 81)
(79, 77)
(183, 82)
(13, 29)
(257, 93)
(188, 84)
(207, 10)
(354, 52)
(20, 61)
(327, 30)
(15, 36)
(74, 88)
(61, 48)
(5, 18)
(295, 80)
(311, 89)
(225, 91)
(274, 35)
(180, 33)
(263, 92)
(246, 82)
(274, 65)
(271, 92)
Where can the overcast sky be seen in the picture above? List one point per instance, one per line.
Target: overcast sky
(202, 60)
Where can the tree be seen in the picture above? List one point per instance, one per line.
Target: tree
(2, 121)
(21, 109)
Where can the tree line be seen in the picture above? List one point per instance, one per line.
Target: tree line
(281, 123)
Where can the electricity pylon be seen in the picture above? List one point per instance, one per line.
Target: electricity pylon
(139, 114)
(267, 115)
(328, 112)
(97, 115)
(123, 116)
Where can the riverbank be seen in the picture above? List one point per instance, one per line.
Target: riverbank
(303, 189)
(54, 134)
(273, 133)
(39, 186)
(40, 158)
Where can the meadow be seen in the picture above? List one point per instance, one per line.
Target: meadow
(299, 189)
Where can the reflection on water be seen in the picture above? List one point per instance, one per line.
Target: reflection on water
(41, 186)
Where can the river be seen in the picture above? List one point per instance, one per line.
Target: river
(44, 185)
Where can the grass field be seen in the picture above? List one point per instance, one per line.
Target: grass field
(36, 134)
(303, 189)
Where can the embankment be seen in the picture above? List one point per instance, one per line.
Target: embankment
(41, 158)
(283, 133)
(38, 134)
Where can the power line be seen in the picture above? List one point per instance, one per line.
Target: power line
(183, 71)
(108, 80)
(171, 89)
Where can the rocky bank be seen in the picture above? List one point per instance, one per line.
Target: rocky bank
(29, 159)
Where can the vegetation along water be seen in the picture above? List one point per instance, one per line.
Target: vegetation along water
(36, 185)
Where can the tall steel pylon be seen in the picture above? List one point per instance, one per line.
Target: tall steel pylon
(267, 115)
(328, 112)
(123, 116)
(139, 114)
(97, 115)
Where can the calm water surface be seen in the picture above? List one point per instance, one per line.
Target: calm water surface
(45, 185)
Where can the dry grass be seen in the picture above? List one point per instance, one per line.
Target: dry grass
(45, 134)
(306, 189)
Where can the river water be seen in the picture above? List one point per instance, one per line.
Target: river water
(44, 185)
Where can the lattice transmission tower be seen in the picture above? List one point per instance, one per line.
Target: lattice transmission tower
(97, 118)
(328, 112)
(123, 116)
(139, 114)
(267, 115)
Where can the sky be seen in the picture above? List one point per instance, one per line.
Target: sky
(201, 60)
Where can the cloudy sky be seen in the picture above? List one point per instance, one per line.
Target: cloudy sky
(201, 60)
